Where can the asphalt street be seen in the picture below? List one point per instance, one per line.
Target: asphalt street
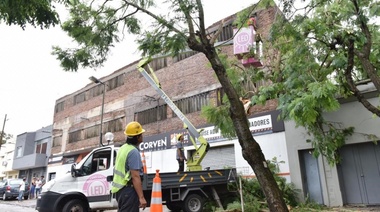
(29, 206)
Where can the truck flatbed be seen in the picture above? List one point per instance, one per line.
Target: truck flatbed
(191, 179)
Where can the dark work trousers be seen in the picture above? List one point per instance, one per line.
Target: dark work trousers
(181, 164)
(127, 200)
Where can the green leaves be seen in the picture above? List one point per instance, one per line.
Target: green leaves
(39, 13)
(161, 42)
(95, 32)
(97, 26)
(314, 67)
(220, 117)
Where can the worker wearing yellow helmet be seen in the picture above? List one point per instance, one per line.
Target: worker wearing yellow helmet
(180, 153)
(128, 171)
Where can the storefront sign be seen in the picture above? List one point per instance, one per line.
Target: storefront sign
(257, 125)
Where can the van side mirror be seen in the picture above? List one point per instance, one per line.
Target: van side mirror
(110, 178)
(74, 171)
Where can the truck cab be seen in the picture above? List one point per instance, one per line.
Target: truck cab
(85, 187)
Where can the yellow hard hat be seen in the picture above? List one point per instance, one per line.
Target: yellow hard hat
(179, 136)
(133, 128)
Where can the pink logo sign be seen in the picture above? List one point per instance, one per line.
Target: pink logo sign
(243, 40)
(96, 185)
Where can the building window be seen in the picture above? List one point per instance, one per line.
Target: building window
(226, 34)
(59, 107)
(158, 63)
(91, 132)
(152, 115)
(19, 151)
(192, 104)
(41, 148)
(75, 136)
(115, 125)
(57, 141)
(96, 91)
(182, 56)
(115, 82)
(80, 98)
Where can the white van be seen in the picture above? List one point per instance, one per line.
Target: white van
(85, 188)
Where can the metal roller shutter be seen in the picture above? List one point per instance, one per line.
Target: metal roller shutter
(220, 157)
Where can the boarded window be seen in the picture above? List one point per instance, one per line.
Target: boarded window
(152, 115)
(97, 90)
(182, 56)
(80, 98)
(59, 107)
(113, 126)
(226, 34)
(75, 136)
(115, 82)
(57, 141)
(158, 63)
(91, 132)
(192, 104)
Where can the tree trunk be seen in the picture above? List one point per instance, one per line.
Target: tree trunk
(251, 150)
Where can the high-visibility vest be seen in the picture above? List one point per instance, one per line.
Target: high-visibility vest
(120, 176)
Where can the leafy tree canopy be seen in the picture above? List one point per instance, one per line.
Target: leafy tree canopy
(319, 53)
(39, 13)
(323, 51)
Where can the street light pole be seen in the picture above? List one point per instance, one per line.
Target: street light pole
(97, 81)
(2, 131)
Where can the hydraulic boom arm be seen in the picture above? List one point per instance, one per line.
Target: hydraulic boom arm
(193, 163)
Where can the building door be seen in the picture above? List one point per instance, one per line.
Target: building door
(359, 173)
(310, 176)
(220, 157)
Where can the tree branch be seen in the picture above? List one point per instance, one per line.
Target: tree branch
(364, 54)
(350, 82)
(215, 36)
(201, 17)
(160, 20)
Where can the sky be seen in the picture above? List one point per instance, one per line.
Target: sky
(31, 79)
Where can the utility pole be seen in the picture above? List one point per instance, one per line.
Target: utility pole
(2, 131)
(97, 81)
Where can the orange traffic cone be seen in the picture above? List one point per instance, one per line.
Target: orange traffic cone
(156, 200)
(144, 162)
